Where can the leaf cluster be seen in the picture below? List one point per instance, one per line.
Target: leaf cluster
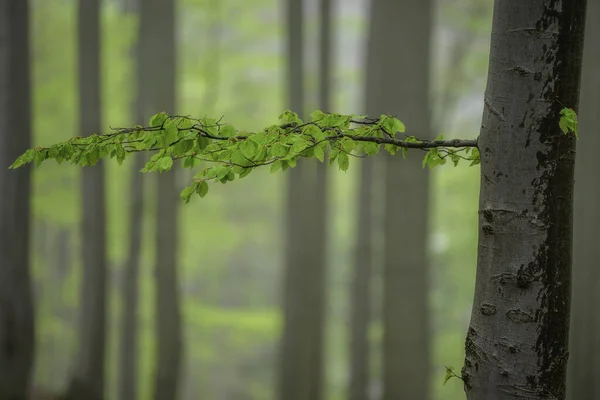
(568, 121)
(225, 154)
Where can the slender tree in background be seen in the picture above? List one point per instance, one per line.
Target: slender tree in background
(360, 294)
(16, 304)
(394, 87)
(584, 359)
(517, 342)
(128, 355)
(360, 301)
(317, 212)
(87, 381)
(157, 92)
(301, 351)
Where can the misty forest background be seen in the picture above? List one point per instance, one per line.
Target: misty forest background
(229, 250)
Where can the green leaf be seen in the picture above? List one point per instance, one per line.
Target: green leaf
(93, 156)
(245, 172)
(165, 163)
(183, 146)
(25, 158)
(202, 188)
(343, 161)
(371, 148)
(433, 158)
(568, 121)
(299, 145)
(186, 193)
(221, 172)
(290, 116)
(333, 154)
(315, 132)
(121, 154)
(190, 162)
(454, 157)
(391, 125)
(39, 157)
(278, 150)
(228, 131)
(276, 166)
(392, 149)
(169, 133)
(449, 374)
(319, 154)
(348, 145)
(290, 162)
(201, 143)
(248, 149)
(335, 120)
(475, 157)
(158, 119)
(317, 115)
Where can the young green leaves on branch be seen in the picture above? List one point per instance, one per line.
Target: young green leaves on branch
(224, 153)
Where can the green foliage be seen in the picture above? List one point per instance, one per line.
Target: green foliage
(449, 374)
(227, 154)
(568, 121)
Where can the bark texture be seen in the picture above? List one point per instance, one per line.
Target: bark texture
(398, 87)
(301, 351)
(517, 342)
(88, 379)
(584, 362)
(157, 37)
(16, 304)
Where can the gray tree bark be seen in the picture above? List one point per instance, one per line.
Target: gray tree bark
(517, 341)
(16, 304)
(88, 379)
(301, 351)
(128, 356)
(398, 87)
(584, 362)
(157, 93)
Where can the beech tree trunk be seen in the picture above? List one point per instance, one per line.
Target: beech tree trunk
(584, 359)
(87, 382)
(301, 352)
(157, 37)
(400, 87)
(16, 304)
(517, 342)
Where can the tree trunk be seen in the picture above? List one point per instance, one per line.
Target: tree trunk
(129, 326)
(360, 294)
(157, 37)
(87, 382)
(395, 86)
(301, 352)
(517, 342)
(584, 365)
(16, 305)
(128, 379)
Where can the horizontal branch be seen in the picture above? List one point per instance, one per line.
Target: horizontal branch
(234, 154)
(422, 144)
